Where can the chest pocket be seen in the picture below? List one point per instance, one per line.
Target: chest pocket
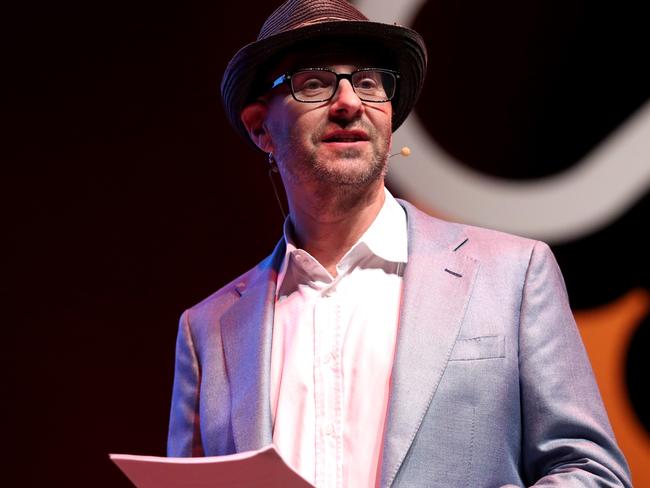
(485, 347)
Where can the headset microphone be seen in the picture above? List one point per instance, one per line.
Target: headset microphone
(405, 151)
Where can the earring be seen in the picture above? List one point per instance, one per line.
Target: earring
(272, 163)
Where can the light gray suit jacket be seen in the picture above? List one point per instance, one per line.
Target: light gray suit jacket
(491, 384)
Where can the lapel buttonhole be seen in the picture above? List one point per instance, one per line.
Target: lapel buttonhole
(453, 273)
(239, 287)
(460, 245)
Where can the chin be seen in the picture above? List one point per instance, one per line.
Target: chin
(352, 172)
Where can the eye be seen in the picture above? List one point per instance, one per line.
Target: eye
(311, 81)
(312, 84)
(366, 83)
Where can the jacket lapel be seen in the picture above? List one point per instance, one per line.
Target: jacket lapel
(247, 332)
(437, 287)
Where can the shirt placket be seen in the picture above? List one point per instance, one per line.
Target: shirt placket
(328, 390)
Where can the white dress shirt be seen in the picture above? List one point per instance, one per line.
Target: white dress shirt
(332, 354)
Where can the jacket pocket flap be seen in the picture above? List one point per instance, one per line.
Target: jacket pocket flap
(485, 347)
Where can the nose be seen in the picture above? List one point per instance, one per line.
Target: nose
(346, 103)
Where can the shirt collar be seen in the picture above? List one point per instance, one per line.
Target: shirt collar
(386, 238)
(387, 235)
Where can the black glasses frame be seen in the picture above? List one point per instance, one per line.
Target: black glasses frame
(286, 78)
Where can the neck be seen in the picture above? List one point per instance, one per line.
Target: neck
(328, 223)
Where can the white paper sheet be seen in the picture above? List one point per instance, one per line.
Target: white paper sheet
(252, 469)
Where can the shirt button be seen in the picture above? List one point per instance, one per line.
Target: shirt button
(329, 359)
(329, 429)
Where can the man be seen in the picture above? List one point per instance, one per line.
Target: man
(377, 346)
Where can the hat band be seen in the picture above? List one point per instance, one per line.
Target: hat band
(320, 20)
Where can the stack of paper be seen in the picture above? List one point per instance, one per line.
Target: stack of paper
(252, 469)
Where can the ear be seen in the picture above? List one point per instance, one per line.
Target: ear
(253, 116)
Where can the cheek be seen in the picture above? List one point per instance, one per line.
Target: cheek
(381, 117)
(388, 120)
(283, 122)
(296, 130)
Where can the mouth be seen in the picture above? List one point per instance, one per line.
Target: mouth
(345, 137)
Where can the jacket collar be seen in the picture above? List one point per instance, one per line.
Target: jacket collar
(247, 332)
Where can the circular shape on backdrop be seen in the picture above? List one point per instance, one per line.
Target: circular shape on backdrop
(604, 265)
(557, 209)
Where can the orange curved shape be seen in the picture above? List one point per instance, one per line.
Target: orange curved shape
(606, 332)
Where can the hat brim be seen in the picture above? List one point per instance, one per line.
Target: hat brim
(403, 46)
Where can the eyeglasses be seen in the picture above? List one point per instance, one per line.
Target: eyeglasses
(313, 85)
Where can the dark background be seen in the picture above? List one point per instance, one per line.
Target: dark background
(127, 198)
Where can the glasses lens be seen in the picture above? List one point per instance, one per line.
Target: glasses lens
(313, 85)
(374, 85)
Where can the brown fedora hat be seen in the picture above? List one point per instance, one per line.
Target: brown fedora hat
(298, 22)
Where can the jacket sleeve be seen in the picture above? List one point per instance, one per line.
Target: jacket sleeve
(567, 438)
(184, 439)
